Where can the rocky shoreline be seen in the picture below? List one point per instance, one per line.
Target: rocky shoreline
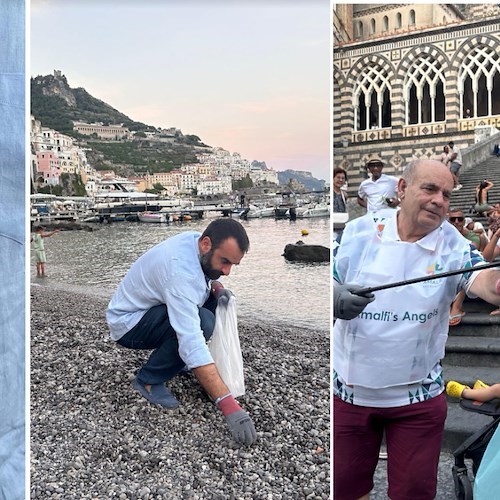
(93, 436)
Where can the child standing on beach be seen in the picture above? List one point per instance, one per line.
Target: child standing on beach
(39, 248)
(479, 392)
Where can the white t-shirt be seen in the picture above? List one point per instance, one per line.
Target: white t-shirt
(458, 159)
(375, 192)
(389, 355)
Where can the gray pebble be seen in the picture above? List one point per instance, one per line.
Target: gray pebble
(94, 437)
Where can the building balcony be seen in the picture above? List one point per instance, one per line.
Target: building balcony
(423, 129)
(376, 134)
(465, 124)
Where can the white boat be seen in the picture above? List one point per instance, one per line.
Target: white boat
(259, 212)
(319, 210)
(154, 217)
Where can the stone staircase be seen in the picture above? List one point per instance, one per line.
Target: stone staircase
(473, 347)
(464, 199)
(472, 352)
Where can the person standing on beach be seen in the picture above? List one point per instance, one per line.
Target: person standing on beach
(39, 248)
(167, 302)
(388, 345)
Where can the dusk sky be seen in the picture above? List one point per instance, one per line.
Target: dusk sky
(250, 76)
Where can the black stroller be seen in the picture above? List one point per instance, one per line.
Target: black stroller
(473, 447)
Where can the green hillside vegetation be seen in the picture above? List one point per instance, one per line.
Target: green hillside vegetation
(142, 155)
(57, 105)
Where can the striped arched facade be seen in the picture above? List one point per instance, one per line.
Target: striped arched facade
(406, 95)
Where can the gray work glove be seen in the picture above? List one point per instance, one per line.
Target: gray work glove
(241, 427)
(223, 295)
(346, 304)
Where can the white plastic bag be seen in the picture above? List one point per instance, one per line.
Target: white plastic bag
(225, 348)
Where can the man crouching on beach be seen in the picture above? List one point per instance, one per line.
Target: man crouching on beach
(167, 302)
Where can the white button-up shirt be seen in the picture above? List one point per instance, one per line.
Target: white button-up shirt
(169, 273)
(375, 192)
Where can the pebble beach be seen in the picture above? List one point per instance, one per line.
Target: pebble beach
(94, 437)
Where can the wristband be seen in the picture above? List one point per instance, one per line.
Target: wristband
(218, 400)
(228, 405)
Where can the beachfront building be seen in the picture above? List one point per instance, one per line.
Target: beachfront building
(112, 132)
(409, 78)
(168, 180)
(53, 154)
(262, 176)
(47, 170)
(212, 185)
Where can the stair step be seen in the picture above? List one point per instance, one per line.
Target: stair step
(464, 199)
(473, 351)
(475, 324)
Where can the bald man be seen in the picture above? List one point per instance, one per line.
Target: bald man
(388, 346)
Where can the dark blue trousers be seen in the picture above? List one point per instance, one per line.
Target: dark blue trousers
(154, 331)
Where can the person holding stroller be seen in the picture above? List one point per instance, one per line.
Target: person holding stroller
(479, 392)
(487, 479)
(388, 346)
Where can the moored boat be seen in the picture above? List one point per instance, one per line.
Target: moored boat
(155, 217)
(319, 210)
(255, 212)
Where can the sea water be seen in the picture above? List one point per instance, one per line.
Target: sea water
(266, 286)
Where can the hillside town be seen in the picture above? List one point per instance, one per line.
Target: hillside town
(54, 154)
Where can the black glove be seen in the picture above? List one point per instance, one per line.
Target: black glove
(346, 304)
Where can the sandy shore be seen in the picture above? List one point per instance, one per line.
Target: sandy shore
(93, 436)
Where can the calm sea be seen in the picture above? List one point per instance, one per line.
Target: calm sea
(265, 284)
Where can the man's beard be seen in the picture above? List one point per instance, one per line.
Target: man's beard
(206, 265)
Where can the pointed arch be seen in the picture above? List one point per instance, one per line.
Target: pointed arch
(372, 91)
(424, 86)
(478, 64)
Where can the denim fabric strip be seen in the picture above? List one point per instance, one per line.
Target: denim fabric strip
(12, 250)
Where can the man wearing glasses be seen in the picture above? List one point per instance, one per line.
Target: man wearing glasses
(457, 219)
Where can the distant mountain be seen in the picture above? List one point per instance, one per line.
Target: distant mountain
(57, 105)
(305, 178)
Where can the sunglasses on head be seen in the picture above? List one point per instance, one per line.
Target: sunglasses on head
(455, 219)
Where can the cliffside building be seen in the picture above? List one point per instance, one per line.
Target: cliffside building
(113, 132)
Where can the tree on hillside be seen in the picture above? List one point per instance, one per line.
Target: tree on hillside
(244, 183)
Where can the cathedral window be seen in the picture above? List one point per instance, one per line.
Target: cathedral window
(372, 99)
(424, 89)
(373, 27)
(399, 20)
(479, 83)
(386, 23)
(412, 17)
(359, 29)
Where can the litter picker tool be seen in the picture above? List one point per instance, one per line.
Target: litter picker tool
(364, 291)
